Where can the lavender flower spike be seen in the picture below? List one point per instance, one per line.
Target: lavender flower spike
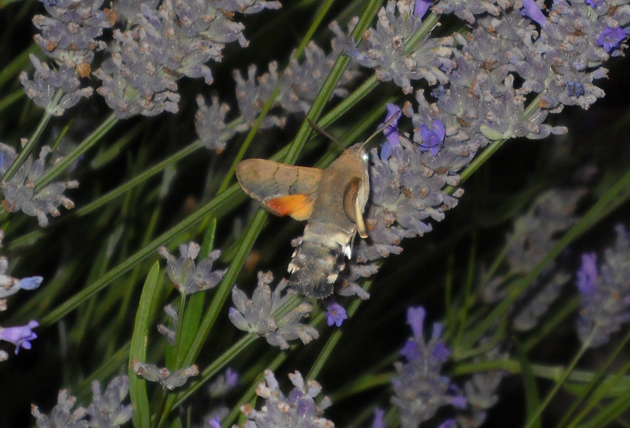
(605, 292)
(20, 336)
(419, 388)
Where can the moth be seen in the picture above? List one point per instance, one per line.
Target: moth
(332, 200)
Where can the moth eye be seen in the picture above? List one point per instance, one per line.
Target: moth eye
(364, 156)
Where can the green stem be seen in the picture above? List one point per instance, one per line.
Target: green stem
(26, 150)
(90, 141)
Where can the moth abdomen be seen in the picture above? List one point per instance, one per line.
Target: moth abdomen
(314, 269)
(319, 258)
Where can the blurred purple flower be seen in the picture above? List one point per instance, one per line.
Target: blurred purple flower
(231, 378)
(20, 336)
(214, 422)
(379, 422)
(410, 350)
(587, 274)
(605, 292)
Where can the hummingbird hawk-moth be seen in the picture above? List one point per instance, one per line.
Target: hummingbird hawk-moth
(332, 200)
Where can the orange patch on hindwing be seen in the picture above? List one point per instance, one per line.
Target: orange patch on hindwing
(297, 206)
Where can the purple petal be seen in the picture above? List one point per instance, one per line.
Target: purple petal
(20, 336)
(336, 315)
(433, 138)
(610, 38)
(531, 10)
(421, 7)
(30, 283)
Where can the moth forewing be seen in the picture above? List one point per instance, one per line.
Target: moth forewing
(282, 189)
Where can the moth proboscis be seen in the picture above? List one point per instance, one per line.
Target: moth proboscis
(332, 200)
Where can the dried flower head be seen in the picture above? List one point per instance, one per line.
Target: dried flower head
(19, 190)
(187, 277)
(298, 409)
(53, 90)
(162, 375)
(258, 315)
(105, 411)
(161, 45)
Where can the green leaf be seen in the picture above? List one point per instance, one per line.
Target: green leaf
(138, 349)
(532, 399)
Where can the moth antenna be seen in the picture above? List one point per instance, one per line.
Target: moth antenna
(382, 128)
(317, 128)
